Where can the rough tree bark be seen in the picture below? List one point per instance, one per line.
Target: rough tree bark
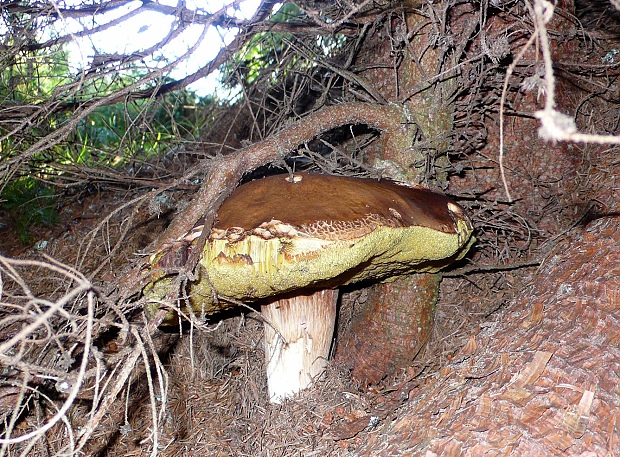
(541, 379)
(398, 317)
(391, 328)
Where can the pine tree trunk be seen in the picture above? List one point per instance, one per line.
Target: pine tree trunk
(541, 379)
(398, 317)
(390, 331)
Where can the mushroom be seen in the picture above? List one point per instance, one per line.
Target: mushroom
(291, 241)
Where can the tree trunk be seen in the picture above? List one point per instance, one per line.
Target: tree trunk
(394, 326)
(542, 379)
(398, 317)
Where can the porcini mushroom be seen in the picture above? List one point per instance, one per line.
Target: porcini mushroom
(290, 241)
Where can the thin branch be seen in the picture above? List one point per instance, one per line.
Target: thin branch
(61, 414)
(130, 93)
(472, 269)
(86, 32)
(502, 101)
(224, 54)
(45, 9)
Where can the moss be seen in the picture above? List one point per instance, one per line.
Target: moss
(233, 269)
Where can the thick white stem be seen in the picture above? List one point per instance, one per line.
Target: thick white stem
(296, 354)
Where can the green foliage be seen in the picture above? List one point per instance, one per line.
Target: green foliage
(112, 135)
(33, 78)
(30, 203)
(261, 52)
(272, 56)
(109, 137)
(26, 81)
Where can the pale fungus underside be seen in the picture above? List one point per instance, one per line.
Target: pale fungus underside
(280, 235)
(273, 236)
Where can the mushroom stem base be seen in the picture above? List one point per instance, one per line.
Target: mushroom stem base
(297, 353)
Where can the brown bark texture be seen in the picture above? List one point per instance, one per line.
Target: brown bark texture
(542, 379)
(391, 329)
(397, 320)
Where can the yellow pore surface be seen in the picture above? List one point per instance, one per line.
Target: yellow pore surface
(255, 268)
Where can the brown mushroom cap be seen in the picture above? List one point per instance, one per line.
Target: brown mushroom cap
(278, 234)
(334, 207)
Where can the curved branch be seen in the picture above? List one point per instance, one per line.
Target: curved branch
(225, 172)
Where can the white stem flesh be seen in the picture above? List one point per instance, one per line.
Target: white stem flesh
(297, 354)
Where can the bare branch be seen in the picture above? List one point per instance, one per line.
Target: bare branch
(225, 172)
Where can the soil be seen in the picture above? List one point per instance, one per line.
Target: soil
(217, 401)
(217, 397)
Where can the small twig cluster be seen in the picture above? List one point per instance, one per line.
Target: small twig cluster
(54, 358)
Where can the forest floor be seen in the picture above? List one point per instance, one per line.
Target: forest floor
(217, 398)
